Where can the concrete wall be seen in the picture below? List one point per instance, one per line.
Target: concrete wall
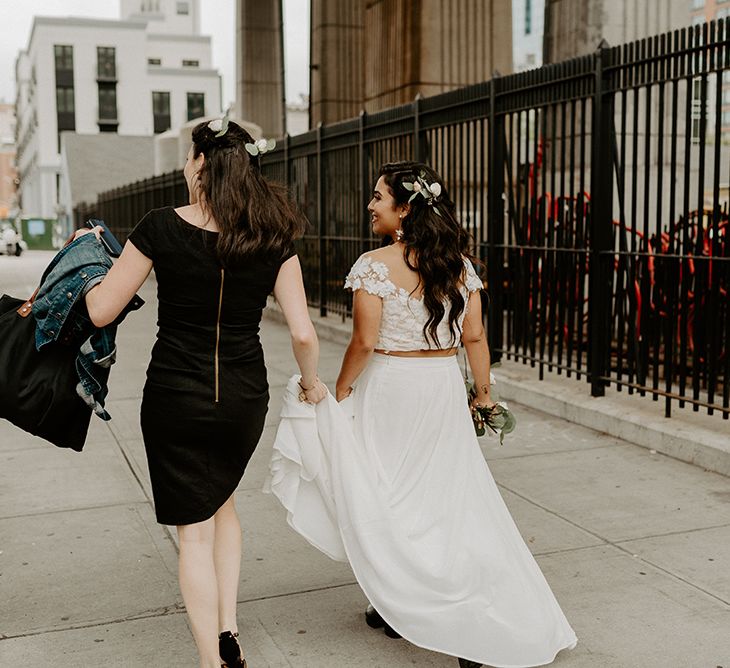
(576, 27)
(164, 15)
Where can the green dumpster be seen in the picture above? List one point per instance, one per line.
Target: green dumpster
(37, 232)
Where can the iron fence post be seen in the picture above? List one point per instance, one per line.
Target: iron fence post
(599, 281)
(321, 227)
(418, 143)
(286, 160)
(364, 182)
(495, 223)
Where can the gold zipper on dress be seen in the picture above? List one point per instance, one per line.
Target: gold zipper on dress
(218, 336)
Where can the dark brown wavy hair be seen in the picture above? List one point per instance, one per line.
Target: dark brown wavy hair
(254, 215)
(435, 245)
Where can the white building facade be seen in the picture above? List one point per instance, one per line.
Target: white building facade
(144, 74)
(528, 19)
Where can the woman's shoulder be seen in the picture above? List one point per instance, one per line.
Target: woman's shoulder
(471, 279)
(372, 262)
(371, 274)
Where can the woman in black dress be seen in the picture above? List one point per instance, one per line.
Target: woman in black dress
(206, 395)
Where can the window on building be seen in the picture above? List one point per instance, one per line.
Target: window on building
(191, 63)
(108, 121)
(64, 56)
(161, 111)
(698, 4)
(722, 14)
(698, 20)
(154, 61)
(65, 100)
(106, 67)
(726, 95)
(65, 111)
(196, 105)
(726, 117)
(183, 8)
(528, 17)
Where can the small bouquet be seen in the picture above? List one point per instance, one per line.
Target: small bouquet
(498, 418)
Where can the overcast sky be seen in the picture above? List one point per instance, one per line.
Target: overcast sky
(218, 19)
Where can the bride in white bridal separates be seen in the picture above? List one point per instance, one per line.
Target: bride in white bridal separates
(392, 479)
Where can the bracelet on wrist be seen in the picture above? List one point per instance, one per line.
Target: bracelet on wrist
(306, 389)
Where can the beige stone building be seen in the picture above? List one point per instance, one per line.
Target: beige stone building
(375, 54)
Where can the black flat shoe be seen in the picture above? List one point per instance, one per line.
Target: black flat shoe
(230, 650)
(465, 663)
(375, 621)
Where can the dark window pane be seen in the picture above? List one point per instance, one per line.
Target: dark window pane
(161, 111)
(160, 103)
(106, 62)
(107, 102)
(64, 56)
(196, 105)
(191, 63)
(64, 99)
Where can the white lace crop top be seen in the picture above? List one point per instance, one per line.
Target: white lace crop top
(404, 316)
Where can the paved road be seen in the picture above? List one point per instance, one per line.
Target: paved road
(635, 545)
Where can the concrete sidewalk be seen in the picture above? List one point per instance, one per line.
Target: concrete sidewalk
(635, 545)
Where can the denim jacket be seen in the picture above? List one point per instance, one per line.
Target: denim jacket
(61, 316)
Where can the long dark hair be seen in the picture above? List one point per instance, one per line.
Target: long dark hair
(435, 244)
(254, 215)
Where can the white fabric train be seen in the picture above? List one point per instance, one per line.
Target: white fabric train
(393, 481)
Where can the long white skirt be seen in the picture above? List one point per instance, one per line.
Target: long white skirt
(393, 481)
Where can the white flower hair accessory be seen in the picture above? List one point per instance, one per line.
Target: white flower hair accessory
(261, 146)
(431, 192)
(220, 125)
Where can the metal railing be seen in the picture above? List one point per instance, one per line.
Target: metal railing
(597, 194)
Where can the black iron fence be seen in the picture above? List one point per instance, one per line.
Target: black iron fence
(597, 194)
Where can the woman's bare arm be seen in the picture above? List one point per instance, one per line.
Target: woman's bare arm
(107, 300)
(474, 339)
(367, 311)
(290, 295)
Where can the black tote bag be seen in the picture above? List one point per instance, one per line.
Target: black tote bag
(38, 388)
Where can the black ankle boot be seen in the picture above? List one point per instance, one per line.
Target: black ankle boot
(465, 663)
(230, 650)
(375, 621)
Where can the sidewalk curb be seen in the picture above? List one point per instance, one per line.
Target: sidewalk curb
(691, 437)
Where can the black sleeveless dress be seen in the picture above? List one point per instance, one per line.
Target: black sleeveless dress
(206, 395)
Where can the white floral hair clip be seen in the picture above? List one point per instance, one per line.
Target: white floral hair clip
(220, 125)
(261, 146)
(429, 191)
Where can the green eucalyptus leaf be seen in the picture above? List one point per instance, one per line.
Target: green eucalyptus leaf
(408, 185)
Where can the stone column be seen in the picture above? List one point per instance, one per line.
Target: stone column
(259, 46)
(433, 46)
(337, 60)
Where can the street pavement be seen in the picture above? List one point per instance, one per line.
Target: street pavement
(635, 545)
